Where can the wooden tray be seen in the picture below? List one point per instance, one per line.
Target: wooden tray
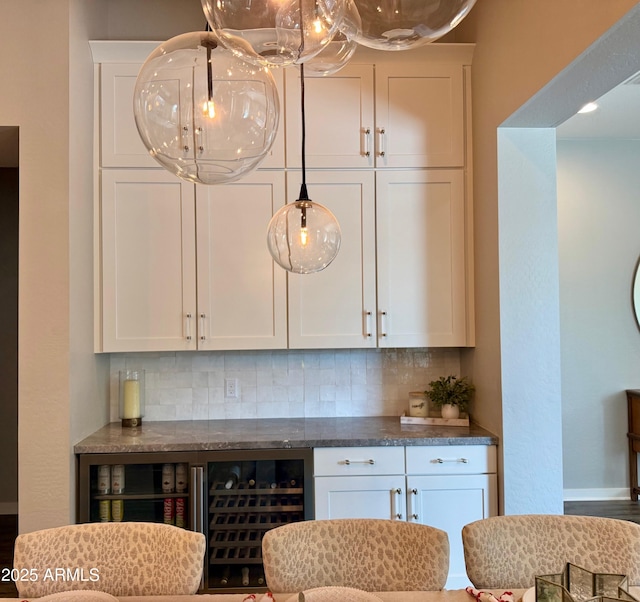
(432, 421)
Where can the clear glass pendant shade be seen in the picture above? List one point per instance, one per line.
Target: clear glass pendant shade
(274, 32)
(404, 24)
(337, 53)
(203, 113)
(303, 237)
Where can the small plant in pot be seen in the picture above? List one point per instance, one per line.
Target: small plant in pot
(451, 394)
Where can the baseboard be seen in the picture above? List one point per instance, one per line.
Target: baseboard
(8, 507)
(584, 495)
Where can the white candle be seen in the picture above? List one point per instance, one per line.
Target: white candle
(131, 399)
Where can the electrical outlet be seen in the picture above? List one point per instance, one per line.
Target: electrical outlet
(231, 387)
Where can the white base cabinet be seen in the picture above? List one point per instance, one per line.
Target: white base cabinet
(442, 486)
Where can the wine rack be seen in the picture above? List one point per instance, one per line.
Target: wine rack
(240, 514)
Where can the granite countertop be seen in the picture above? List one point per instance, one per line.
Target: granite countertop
(276, 433)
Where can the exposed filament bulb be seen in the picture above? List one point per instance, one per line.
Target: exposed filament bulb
(304, 232)
(209, 109)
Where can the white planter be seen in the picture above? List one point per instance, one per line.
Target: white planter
(450, 411)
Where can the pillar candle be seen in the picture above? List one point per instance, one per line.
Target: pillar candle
(131, 399)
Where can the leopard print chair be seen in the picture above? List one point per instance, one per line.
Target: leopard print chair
(121, 559)
(375, 555)
(510, 551)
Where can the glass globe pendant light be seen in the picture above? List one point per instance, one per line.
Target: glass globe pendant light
(274, 33)
(337, 53)
(203, 113)
(303, 237)
(404, 24)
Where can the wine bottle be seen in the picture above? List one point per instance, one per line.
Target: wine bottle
(225, 575)
(232, 478)
(245, 575)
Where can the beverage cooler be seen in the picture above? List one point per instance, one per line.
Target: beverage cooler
(233, 497)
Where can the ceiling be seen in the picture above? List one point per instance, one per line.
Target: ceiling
(617, 116)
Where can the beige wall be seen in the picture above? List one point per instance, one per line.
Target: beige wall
(34, 72)
(520, 46)
(55, 286)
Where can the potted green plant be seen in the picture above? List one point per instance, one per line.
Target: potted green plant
(451, 394)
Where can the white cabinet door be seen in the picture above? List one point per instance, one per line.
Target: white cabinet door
(448, 503)
(241, 291)
(419, 115)
(421, 258)
(335, 308)
(148, 261)
(339, 113)
(121, 145)
(379, 496)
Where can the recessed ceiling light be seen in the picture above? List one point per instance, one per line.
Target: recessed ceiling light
(588, 108)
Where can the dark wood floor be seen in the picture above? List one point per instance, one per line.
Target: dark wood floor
(621, 509)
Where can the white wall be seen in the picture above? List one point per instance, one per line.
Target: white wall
(598, 218)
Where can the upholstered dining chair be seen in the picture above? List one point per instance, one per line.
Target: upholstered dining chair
(121, 559)
(369, 554)
(510, 551)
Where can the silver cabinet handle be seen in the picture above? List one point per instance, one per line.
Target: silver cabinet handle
(394, 510)
(367, 319)
(383, 316)
(369, 461)
(443, 460)
(410, 513)
(202, 318)
(188, 326)
(381, 151)
(198, 504)
(367, 142)
(197, 498)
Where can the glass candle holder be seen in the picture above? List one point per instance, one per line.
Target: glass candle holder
(131, 397)
(418, 406)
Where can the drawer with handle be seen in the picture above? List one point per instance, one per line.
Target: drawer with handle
(344, 461)
(451, 459)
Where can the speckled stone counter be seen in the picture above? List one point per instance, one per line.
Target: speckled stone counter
(276, 433)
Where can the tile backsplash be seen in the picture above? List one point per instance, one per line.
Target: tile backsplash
(275, 384)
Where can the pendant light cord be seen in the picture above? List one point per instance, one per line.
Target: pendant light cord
(303, 188)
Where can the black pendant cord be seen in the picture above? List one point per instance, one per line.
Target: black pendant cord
(304, 196)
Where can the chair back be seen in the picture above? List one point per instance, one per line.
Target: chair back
(122, 559)
(375, 555)
(510, 551)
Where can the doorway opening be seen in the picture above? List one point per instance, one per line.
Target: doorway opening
(9, 212)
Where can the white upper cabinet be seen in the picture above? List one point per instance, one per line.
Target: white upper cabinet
(241, 291)
(419, 115)
(148, 262)
(389, 113)
(186, 267)
(121, 145)
(422, 287)
(339, 118)
(335, 308)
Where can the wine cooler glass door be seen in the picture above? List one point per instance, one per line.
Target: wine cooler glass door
(245, 499)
